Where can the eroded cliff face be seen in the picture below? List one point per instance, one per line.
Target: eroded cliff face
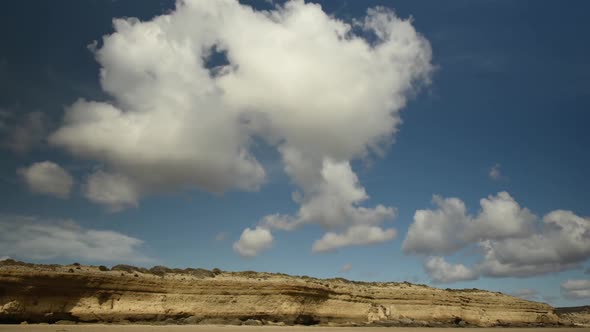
(37, 293)
(575, 315)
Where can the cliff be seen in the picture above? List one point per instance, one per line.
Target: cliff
(49, 293)
(576, 315)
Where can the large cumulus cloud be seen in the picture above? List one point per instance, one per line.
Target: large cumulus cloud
(322, 91)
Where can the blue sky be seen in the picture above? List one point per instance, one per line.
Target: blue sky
(507, 88)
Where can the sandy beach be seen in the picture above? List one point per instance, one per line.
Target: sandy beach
(186, 328)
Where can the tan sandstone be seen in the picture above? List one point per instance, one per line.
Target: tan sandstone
(42, 293)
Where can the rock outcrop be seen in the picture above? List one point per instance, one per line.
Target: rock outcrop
(579, 316)
(49, 293)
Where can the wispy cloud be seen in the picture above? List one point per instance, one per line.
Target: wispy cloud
(26, 237)
(346, 268)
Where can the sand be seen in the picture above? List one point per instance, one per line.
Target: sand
(197, 328)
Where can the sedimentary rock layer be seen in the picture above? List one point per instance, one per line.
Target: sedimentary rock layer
(42, 293)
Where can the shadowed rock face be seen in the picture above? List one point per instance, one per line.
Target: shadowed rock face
(42, 293)
(575, 315)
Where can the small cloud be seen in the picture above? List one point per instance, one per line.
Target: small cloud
(253, 241)
(440, 271)
(221, 236)
(47, 178)
(526, 293)
(354, 236)
(345, 268)
(496, 174)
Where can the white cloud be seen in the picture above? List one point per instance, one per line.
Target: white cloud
(513, 241)
(115, 191)
(501, 217)
(158, 148)
(47, 178)
(496, 266)
(333, 202)
(438, 231)
(26, 134)
(253, 241)
(576, 289)
(440, 271)
(346, 268)
(527, 294)
(354, 236)
(303, 81)
(449, 228)
(333, 199)
(563, 242)
(280, 221)
(33, 238)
